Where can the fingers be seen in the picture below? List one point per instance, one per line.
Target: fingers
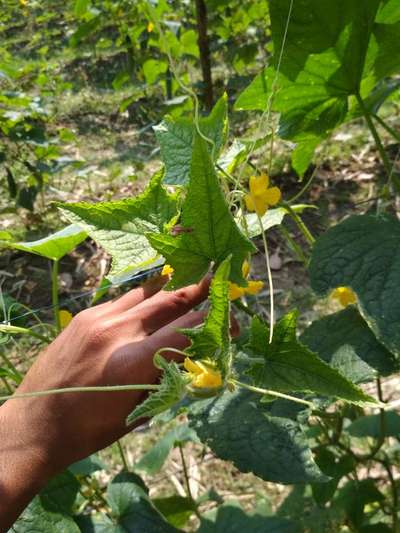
(168, 336)
(134, 362)
(165, 307)
(136, 296)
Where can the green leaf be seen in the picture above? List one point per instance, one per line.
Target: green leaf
(333, 466)
(230, 517)
(152, 68)
(55, 246)
(286, 365)
(81, 7)
(326, 59)
(257, 94)
(176, 509)
(211, 232)
(345, 341)
(60, 493)
(36, 519)
(354, 496)
(172, 389)
(273, 217)
(176, 138)
(363, 253)
(212, 339)
(120, 226)
(241, 429)
(132, 510)
(389, 12)
(87, 466)
(302, 155)
(370, 426)
(153, 460)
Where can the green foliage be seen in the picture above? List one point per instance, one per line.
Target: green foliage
(54, 246)
(120, 227)
(212, 340)
(345, 341)
(211, 233)
(327, 60)
(370, 426)
(132, 510)
(231, 517)
(286, 365)
(176, 509)
(176, 138)
(152, 461)
(172, 389)
(37, 518)
(87, 466)
(241, 429)
(361, 253)
(51, 511)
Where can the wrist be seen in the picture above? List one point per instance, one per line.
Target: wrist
(25, 467)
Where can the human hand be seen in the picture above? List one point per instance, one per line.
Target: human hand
(110, 344)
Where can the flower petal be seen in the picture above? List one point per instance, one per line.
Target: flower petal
(208, 379)
(64, 318)
(260, 204)
(254, 287)
(192, 367)
(258, 184)
(248, 200)
(235, 291)
(345, 296)
(273, 195)
(245, 269)
(167, 270)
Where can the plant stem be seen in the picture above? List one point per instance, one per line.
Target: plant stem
(301, 225)
(106, 388)
(11, 365)
(272, 393)
(270, 283)
(293, 245)
(187, 480)
(304, 188)
(122, 454)
(54, 294)
(204, 49)
(6, 384)
(382, 425)
(7, 328)
(395, 495)
(245, 308)
(388, 128)
(375, 134)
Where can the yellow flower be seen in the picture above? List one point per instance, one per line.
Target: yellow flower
(23, 2)
(202, 375)
(345, 296)
(261, 194)
(167, 270)
(150, 27)
(252, 287)
(64, 317)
